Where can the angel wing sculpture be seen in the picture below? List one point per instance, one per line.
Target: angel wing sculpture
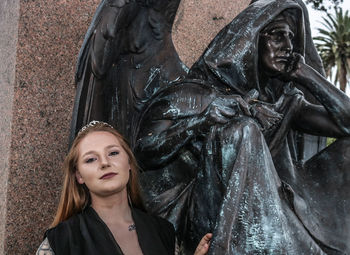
(217, 145)
(126, 56)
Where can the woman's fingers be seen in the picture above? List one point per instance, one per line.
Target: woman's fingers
(204, 244)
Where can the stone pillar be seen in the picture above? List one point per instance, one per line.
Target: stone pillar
(9, 11)
(39, 92)
(39, 44)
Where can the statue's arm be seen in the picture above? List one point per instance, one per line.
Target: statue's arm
(332, 117)
(315, 119)
(161, 139)
(45, 248)
(164, 139)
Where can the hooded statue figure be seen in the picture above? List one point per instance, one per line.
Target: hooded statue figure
(219, 151)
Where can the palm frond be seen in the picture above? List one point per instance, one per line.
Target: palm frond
(333, 44)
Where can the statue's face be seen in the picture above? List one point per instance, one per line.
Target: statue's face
(275, 47)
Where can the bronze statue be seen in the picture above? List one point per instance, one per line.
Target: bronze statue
(218, 148)
(126, 56)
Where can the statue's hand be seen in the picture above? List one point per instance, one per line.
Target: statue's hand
(293, 68)
(224, 107)
(265, 115)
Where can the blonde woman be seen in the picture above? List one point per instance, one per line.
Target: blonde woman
(100, 209)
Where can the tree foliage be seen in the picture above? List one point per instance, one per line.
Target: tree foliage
(323, 5)
(333, 45)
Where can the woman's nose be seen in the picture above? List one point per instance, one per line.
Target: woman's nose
(104, 162)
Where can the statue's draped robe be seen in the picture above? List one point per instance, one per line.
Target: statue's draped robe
(241, 183)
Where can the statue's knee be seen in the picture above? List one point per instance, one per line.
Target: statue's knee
(249, 126)
(238, 128)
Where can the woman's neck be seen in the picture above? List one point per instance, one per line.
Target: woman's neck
(112, 209)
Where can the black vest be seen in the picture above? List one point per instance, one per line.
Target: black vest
(87, 234)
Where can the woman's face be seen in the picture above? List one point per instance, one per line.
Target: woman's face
(103, 165)
(275, 47)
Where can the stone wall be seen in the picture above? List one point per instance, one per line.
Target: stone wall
(38, 49)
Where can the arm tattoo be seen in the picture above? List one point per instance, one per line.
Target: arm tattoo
(44, 248)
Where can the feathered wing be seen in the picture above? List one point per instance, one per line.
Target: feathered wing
(85, 78)
(126, 56)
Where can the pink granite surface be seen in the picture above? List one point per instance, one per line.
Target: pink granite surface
(50, 34)
(49, 38)
(198, 22)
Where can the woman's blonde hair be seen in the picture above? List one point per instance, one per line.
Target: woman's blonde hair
(74, 196)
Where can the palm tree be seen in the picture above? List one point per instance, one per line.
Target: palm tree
(333, 45)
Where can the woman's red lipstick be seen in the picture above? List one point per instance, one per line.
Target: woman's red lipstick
(108, 175)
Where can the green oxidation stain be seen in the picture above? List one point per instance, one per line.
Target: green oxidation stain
(330, 140)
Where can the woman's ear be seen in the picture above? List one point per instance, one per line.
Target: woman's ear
(79, 178)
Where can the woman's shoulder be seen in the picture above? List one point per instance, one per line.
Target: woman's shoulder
(65, 232)
(64, 226)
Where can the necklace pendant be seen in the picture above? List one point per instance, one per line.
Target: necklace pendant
(132, 227)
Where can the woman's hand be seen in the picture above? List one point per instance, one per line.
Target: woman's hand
(203, 245)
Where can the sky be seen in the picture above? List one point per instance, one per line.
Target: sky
(316, 19)
(316, 16)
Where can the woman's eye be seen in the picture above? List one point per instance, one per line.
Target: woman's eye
(114, 153)
(90, 160)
